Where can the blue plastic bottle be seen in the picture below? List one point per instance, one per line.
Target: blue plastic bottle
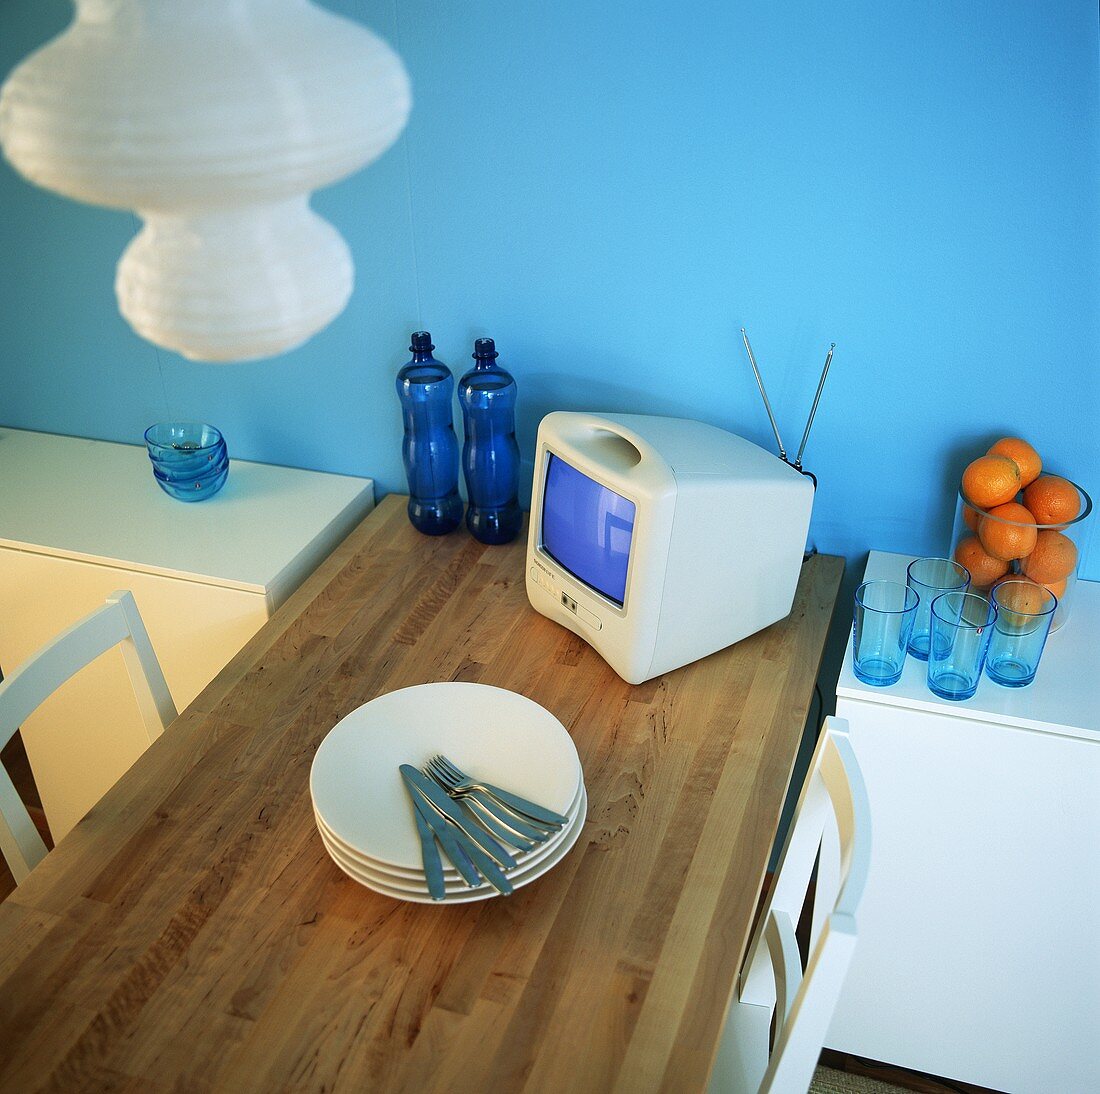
(490, 455)
(430, 448)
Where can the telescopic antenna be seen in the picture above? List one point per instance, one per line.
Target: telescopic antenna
(764, 396)
(813, 409)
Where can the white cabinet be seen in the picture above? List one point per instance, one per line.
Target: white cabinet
(80, 519)
(979, 933)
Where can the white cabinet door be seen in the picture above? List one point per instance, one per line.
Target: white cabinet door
(978, 956)
(88, 733)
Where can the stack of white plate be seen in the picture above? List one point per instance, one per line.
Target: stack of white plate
(365, 815)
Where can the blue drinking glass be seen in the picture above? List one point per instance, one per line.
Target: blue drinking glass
(928, 577)
(962, 625)
(1024, 614)
(881, 624)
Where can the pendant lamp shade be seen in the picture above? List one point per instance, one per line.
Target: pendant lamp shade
(213, 120)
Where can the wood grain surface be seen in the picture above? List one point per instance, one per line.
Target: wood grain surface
(191, 933)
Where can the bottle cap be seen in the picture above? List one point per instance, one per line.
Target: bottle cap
(421, 342)
(485, 350)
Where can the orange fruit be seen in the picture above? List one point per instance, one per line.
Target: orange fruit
(1007, 541)
(1052, 500)
(1022, 454)
(1057, 587)
(1024, 595)
(990, 481)
(984, 568)
(970, 516)
(1053, 558)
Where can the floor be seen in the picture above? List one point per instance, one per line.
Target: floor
(898, 1076)
(14, 759)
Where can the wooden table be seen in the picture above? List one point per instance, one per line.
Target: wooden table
(192, 934)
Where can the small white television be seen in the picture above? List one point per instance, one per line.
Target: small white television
(661, 540)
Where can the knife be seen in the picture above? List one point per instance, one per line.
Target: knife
(493, 873)
(469, 828)
(433, 867)
(442, 830)
(467, 856)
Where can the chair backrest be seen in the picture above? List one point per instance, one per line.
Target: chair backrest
(117, 623)
(831, 829)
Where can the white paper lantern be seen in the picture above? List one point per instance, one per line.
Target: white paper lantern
(213, 119)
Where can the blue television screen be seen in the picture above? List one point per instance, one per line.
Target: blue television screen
(587, 528)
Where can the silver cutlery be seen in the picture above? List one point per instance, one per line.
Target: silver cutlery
(464, 816)
(447, 835)
(505, 832)
(456, 846)
(481, 861)
(458, 784)
(469, 827)
(433, 866)
(488, 807)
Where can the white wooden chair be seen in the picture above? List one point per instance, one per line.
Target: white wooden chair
(118, 622)
(832, 828)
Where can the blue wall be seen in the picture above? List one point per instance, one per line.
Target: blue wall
(611, 191)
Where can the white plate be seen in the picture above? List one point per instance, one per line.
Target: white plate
(414, 881)
(498, 735)
(417, 873)
(518, 877)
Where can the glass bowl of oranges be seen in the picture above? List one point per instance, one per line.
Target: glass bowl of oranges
(1016, 520)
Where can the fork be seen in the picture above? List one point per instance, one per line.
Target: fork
(501, 823)
(487, 807)
(457, 783)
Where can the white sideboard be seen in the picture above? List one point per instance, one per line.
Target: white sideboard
(979, 933)
(82, 518)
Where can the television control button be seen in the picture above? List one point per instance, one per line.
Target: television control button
(585, 616)
(569, 603)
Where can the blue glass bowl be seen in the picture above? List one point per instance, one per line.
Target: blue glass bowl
(174, 439)
(185, 478)
(163, 453)
(197, 489)
(195, 467)
(190, 460)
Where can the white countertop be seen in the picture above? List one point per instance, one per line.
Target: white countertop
(1064, 698)
(105, 507)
